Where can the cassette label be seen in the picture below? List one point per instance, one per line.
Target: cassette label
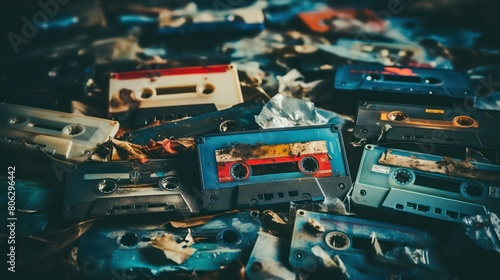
(68, 136)
(363, 249)
(223, 239)
(428, 185)
(264, 167)
(423, 86)
(215, 84)
(343, 20)
(427, 125)
(99, 189)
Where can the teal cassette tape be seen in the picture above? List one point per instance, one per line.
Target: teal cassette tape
(428, 185)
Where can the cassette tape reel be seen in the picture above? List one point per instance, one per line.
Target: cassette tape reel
(428, 125)
(427, 185)
(264, 167)
(422, 86)
(320, 239)
(63, 135)
(200, 85)
(100, 189)
(105, 250)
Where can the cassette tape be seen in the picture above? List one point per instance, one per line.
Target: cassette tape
(427, 185)
(391, 54)
(215, 84)
(343, 21)
(264, 167)
(105, 252)
(238, 117)
(242, 20)
(59, 134)
(356, 248)
(49, 83)
(428, 125)
(424, 86)
(99, 189)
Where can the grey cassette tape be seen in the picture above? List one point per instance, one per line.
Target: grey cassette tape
(62, 135)
(213, 84)
(428, 185)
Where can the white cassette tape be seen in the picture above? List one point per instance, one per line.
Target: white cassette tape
(65, 135)
(215, 84)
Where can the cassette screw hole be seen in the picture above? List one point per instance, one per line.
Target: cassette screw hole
(254, 214)
(299, 255)
(309, 165)
(230, 237)
(129, 239)
(341, 186)
(300, 213)
(256, 266)
(229, 125)
(337, 240)
(213, 198)
(364, 130)
(464, 121)
(362, 192)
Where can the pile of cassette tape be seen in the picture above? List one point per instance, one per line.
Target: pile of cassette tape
(250, 139)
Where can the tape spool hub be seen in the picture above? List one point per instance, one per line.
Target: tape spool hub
(239, 171)
(473, 190)
(230, 237)
(403, 176)
(397, 116)
(337, 240)
(464, 121)
(107, 186)
(170, 183)
(309, 165)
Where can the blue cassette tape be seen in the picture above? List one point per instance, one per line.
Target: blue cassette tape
(107, 251)
(428, 185)
(352, 248)
(411, 85)
(272, 167)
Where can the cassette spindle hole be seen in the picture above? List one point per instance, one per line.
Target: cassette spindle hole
(309, 165)
(145, 93)
(240, 171)
(473, 190)
(18, 120)
(107, 186)
(397, 116)
(337, 240)
(170, 183)
(464, 121)
(206, 89)
(402, 176)
(73, 130)
(254, 213)
(129, 239)
(229, 125)
(230, 237)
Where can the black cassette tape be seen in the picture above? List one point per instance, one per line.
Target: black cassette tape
(425, 86)
(99, 189)
(363, 249)
(427, 125)
(271, 167)
(428, 185)
(106, 252)
(238, 117)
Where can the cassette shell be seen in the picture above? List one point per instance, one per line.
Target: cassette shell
(428, 125)
(71, 137)
(350, 239)
(107, 249)
(275, 178)
(101, 189)
(432, 195)
(408, 85)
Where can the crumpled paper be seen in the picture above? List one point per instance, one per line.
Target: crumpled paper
(484, 230)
